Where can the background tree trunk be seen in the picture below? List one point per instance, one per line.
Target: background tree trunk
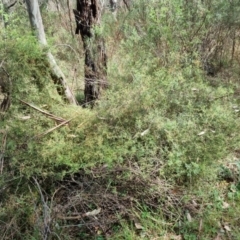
(113, 5)
(87, 15)
(37, 25)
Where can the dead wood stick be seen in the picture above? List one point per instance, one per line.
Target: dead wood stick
(4, 140)
(70, 217)
(44, 112)
(87, 214)
(54, 128)
(2, 63)
(46, 213)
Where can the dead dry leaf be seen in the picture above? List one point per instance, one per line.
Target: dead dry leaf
(25, 117)
(201, 133)
(144, 132)
(225, 205)
(138, 226)
(71, 135)
(227, 228)
(194, 203)
(189, 217)
(93, 213)
(200, 226)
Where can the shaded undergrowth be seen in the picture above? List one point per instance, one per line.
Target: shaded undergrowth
(158, 155)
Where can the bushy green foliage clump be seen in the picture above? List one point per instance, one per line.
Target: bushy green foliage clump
(165, 118)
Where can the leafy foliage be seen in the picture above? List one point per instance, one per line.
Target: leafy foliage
(169, 118)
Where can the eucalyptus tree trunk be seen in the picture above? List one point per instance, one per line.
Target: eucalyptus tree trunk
(113, 5)
(127, 3)
(88, 15)
(56, 73)
(9, 3)
(5, 7)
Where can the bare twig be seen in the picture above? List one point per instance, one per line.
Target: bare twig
(233, 45)
(127, 5)
(87, 214)
(2, 63)
(224, 96)
(70, 18)
(69, 217)
(52, 129)
(46, 212)
(44, 112)
(9, 227)
(2, 152)
(69, 46)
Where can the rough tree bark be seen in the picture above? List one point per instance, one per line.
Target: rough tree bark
(87, 15)
(127, 4)
(56, 73)
(113, 5)
(6, 7)
(5, 89)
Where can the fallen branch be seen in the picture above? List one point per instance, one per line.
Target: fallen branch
(44, 112)
(87, 214)
(2, 63)
(54, 128)
(46, 213)
(3, 147)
